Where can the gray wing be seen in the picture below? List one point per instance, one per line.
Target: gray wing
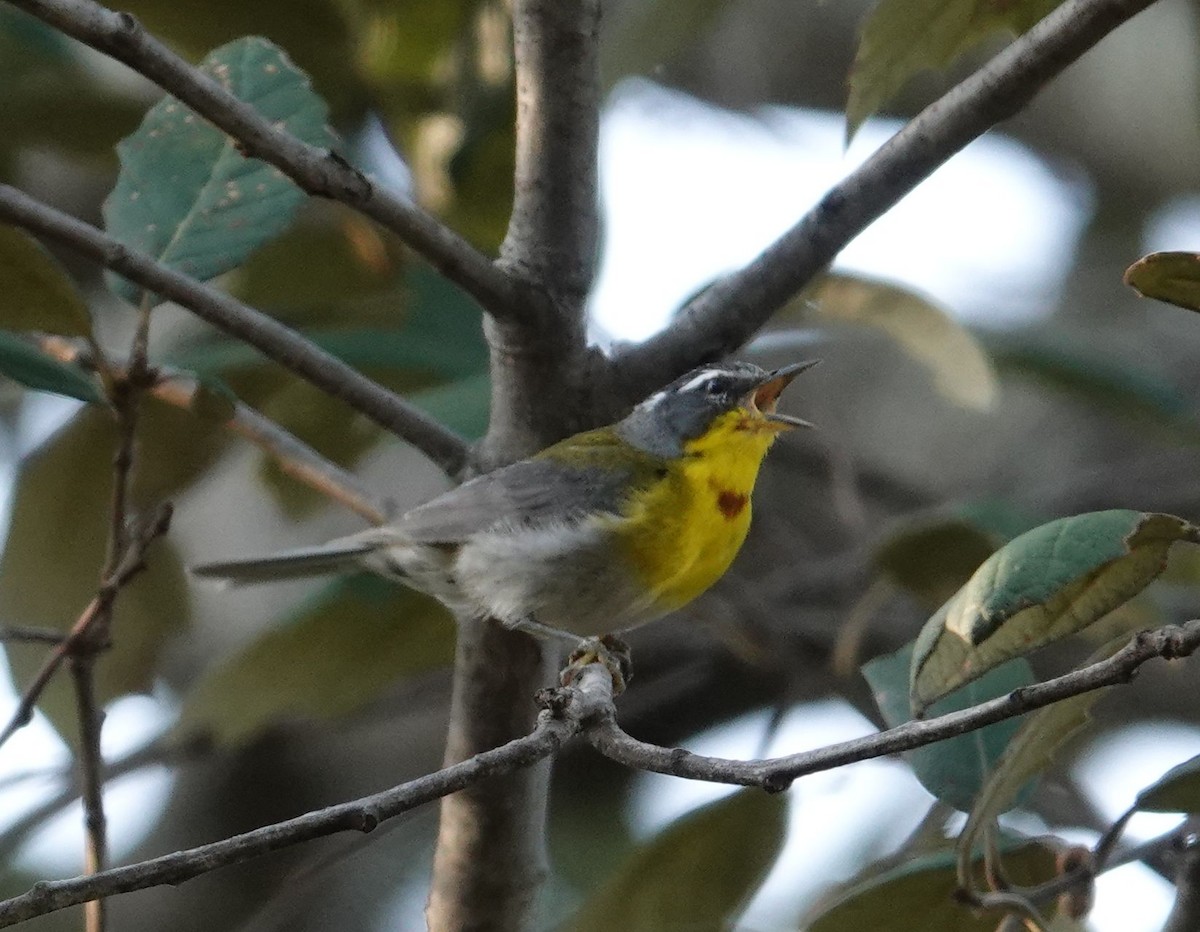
(531, 493)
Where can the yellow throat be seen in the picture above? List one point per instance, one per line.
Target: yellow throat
(682, 533)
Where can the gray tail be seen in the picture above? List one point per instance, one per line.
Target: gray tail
(288, 564)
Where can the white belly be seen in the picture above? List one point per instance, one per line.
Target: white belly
(566, 576)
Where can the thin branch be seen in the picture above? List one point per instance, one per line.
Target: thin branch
(774, 775)
(157, 752)
(586, 707)
(132, 563)
(293, 456)
(317, 171)
(83, 647)
(30, 634)
(91, 772)
(1185, 914)
(1106, 844)
(1083, 876)
(563, 718)
(274, 340)
(727, 314)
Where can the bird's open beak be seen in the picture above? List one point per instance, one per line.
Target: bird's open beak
(766, 396)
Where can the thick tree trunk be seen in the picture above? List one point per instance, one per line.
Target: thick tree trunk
(490, 857)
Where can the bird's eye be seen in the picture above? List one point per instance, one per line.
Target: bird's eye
(716, 387)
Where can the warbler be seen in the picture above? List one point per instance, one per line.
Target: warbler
(601, 532)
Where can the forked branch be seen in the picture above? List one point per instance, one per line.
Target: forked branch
(587, 708)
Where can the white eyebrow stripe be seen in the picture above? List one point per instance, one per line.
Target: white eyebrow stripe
(706, 376)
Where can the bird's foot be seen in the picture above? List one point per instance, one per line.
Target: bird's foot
(608, 650)
(540, 631)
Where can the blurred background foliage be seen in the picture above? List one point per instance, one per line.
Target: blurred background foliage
(938, 442)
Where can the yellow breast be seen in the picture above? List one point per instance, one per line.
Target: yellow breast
(682, 533)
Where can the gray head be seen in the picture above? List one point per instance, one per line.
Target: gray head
(685, 409)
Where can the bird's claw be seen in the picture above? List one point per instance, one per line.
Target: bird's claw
(608, 650)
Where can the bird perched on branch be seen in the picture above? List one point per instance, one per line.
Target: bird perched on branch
(598, 533)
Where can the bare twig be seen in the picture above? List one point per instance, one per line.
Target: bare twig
(125, 397)
(727, 314)
(777, 774)
(1106, 844)
(30, 634)
(587, 708)
(132, 563)
(91, 767)
(1185, 914)
(318, 171)
(268, 336)
(1083, 876)
(157, 752)
(555, 725)
(293, 456)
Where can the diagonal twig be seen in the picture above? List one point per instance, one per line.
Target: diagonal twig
(777, 774)
(726, 314)
(30, 634)
(556, 724)
(274, 340)
(586, 708)
(316, 170)
(293, 456)
(132, 563)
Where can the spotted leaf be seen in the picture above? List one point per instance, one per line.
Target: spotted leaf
(186, 195)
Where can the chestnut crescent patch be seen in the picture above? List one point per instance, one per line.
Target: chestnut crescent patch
(731, 504)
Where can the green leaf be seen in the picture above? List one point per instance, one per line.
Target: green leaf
(186, 195)
(1041, 736)
(932, 558)
(481, 169)
(213, 400)
(27, 44)
(52, 98)
(956, 769)
(37, 294)
(325, 423)
(34, 369)
(643, 38)
(1178, 790)
(1046, 584)
(342, 650)
(904, 37)
(434, 353)
(316, 34)
(955, 360)
(1173, 277)
(326, 267)
(698, 873)
(462, 405)
(1108, 383)
(56, 545)
(438, 338)
(918, 896)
